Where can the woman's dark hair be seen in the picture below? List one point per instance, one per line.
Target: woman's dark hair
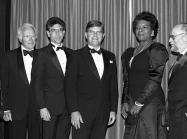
(147, 16)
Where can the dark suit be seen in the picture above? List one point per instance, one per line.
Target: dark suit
(177, 97)
(93, 97)
(19, 98)
(48, 86)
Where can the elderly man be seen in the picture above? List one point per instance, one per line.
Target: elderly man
(177, 94)
(19, 102)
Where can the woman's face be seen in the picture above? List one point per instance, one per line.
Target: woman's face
(143, 31)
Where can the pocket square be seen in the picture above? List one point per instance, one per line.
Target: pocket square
(111, 61)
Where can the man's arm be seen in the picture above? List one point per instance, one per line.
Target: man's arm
(71, 80)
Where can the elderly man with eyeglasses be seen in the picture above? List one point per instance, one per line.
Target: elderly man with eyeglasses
(177, 94)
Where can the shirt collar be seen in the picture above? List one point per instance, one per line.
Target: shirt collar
(56, 45)
(91, 47)
(23, 48)
(184, 51)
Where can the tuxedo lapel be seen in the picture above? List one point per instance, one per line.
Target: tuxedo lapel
(21, 67)
(106, 63)
(55, 60)
(89, 60)
(179, 64)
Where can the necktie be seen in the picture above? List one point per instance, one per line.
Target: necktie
(95, 51)
(25, 52)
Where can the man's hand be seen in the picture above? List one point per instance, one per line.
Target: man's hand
(135, 109)
(124, 110)
(7, 116)
(76, 119)
(112, 118)
(44, 114)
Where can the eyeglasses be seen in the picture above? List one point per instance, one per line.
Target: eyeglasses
(98, 33)
(56, 30)
(29, 36)
(174, 36)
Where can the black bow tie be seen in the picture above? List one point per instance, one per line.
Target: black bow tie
(95, 51)
(25, 52)
(59, 48)
(179, 55)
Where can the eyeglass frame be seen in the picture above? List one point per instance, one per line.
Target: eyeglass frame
(174, 36)
(56, 30)
(98, 33)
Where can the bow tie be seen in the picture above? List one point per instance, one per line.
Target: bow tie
(60, 48)
(179, 55)
(25, 52)
(95, 51)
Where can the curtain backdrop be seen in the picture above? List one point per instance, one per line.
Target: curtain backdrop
(117, 15)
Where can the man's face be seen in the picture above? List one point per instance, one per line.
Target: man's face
(176, 39)
(94, 36)
(56, 34)
(28, 38)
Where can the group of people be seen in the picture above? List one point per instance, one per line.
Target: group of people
(49, 91)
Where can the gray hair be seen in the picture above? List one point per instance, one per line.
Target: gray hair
(25, 26)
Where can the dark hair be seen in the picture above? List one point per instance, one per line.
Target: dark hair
(147, 16)
(55, 20)
(95, 23)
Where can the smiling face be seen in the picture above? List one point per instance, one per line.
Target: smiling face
(94, 36)
(56, 34)
(28, 38)
(143, 31)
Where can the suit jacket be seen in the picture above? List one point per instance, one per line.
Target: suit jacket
(177, 93)
(85, 91)
(17, 92)
(48, 80)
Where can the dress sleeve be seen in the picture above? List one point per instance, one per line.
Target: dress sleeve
(124, 59)
(158, 57)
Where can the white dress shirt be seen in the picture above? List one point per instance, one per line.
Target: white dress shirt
(98, 59)
(61, 55)
(27, 60)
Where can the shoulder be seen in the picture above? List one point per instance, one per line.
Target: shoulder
(108, 53)
(68, 50)
(156, 46)
(158, 50)
(13, 52)
(127, 52)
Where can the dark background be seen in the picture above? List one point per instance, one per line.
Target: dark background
(4, 41)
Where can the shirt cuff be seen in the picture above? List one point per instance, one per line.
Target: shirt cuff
(138, 104)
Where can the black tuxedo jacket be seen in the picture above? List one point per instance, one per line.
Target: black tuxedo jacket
(48, 80)
(17, 92)
(177, 93)
(85, 91)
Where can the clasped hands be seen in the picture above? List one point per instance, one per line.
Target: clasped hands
(77, 120)
(134, 109)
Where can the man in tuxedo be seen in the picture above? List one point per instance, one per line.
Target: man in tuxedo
(18, 99)
(91, 86)
(49, 70)
(177, 94)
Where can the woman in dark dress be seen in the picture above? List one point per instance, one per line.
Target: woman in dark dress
(143, 99)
